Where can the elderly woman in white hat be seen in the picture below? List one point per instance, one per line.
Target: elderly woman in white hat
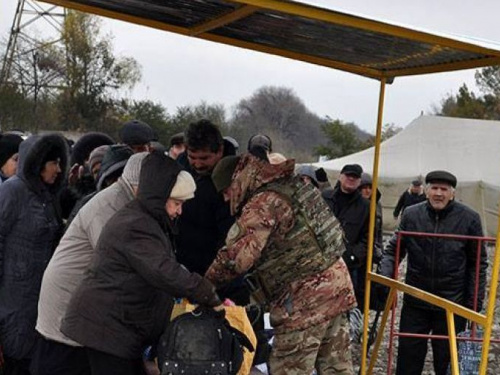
(124, 303)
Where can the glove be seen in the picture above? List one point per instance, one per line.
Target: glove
(205, 294)
(378, 296)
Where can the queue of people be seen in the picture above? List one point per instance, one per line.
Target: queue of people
(92, 260)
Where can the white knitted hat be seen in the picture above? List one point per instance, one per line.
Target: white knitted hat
(132, 169)
(184, 187)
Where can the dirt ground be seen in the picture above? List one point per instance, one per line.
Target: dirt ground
(382, 361)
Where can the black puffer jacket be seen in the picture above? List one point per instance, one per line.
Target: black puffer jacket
(124, 302)
(30, 229)
(408, 199)
(440, 266)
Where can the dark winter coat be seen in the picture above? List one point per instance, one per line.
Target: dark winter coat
(408, 199)
(354, 215)
(124, 302)
(203, 225)
(378, 244)
(440, 266)
(30, 229)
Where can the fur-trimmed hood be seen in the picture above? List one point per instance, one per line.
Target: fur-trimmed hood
(251, 174)
(32, 153)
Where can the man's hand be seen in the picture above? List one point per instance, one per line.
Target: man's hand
(219, 307)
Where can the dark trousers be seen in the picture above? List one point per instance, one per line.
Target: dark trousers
(412, 351)
(107, 364)
(53, 358)
(16, 366)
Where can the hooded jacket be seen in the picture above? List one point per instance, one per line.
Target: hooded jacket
(30, 229)
(125, 300)
(265, 217)
(72, 257)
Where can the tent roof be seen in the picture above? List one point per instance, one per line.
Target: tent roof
(303, 32)
(467, 148)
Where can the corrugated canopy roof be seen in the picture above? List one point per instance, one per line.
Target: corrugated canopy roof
(301, 32)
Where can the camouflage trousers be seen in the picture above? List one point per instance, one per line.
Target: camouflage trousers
(324, 347)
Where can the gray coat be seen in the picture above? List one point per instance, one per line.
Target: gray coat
(72, 258)
(30, 228)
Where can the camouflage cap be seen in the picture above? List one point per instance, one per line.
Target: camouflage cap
(223, 172)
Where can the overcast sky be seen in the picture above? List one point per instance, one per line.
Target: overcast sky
(178, 70)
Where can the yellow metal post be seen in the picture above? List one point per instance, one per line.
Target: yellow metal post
(491, 305)
(371, 232)
(380, 335)
(453, 343)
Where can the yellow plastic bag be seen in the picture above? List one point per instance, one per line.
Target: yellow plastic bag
(237, 318)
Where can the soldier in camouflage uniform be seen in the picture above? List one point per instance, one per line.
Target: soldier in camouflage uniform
(285, 230)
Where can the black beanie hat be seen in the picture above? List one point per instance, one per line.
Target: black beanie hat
(114, 159)
(261, 140)
(222, 174)
(9, 145)
(86, 144)
(136, 132)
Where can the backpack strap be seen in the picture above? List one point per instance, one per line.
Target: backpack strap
(242, 339)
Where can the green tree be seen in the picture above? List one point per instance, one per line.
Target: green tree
(389, 130)
(282, 115)
(465, 104)
(185, 115)
(488, 80)
(154, 114)
(342, 139)
(91, 73)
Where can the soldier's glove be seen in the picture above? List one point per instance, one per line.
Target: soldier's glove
(205, 294)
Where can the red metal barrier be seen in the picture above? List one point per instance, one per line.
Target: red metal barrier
(392, 332)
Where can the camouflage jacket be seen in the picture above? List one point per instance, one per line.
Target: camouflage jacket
(264, 217)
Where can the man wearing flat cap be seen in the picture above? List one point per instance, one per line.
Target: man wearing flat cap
(443, 267)
(353, 212)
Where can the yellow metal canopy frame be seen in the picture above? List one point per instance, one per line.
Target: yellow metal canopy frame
(333, 39)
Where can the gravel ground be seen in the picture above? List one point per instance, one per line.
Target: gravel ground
(381, 365)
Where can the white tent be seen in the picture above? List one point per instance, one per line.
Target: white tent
(470, 149)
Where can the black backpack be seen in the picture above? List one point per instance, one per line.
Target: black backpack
(201, 342)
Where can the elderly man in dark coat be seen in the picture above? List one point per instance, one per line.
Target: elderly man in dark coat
(444, 267)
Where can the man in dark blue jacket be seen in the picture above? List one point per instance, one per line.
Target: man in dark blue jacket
(444, 267)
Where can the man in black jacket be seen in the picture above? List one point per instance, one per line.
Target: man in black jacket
(206, 218)
(444, 267)
(353, 212)
(415, 194)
